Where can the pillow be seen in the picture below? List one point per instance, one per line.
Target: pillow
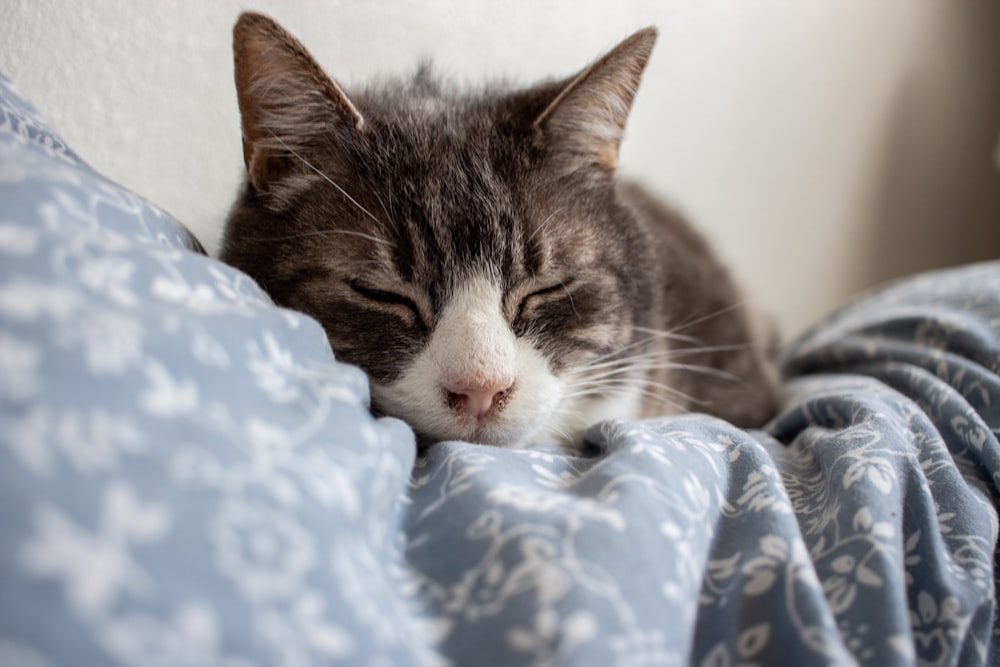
(187, 475)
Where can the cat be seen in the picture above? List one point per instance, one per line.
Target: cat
(477, 256)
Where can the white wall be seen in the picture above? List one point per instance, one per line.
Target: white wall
(822, 145)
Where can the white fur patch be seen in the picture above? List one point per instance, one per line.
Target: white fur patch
(473, 345)
(576, 415)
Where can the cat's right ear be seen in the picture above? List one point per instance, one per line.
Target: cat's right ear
(585, 122)
(286, 100)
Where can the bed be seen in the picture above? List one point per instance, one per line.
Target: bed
(188, 476)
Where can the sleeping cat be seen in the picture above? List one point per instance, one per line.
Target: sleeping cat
(475, 253)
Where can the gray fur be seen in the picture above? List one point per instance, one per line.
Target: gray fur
(366, 209)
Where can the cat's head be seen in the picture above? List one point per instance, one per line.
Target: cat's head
(469, 252)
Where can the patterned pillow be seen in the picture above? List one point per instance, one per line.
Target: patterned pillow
(187, 476)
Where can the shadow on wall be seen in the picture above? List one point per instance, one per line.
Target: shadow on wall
(939, 201)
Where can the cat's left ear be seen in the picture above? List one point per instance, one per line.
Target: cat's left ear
(585, 122)
(286, 100)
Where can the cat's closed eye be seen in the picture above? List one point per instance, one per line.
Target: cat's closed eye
(391, 299)
(533, 300)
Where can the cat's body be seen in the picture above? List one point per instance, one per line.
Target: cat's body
(476, 255)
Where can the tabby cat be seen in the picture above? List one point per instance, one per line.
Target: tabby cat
(475, 253)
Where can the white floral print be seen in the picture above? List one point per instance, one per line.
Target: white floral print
(188, 477)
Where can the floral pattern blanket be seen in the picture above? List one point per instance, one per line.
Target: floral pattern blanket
(189, 477)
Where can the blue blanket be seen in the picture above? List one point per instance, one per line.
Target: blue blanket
(189, 477)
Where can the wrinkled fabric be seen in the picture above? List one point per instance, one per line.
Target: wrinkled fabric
(188, 476)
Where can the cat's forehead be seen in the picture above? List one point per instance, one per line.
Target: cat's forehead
(438, 163)
(455, 180)
(437, 132)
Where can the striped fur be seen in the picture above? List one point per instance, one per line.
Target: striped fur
(475, 254)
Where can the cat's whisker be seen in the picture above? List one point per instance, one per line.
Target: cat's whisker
(563, 433)
(675, 407)
(616, 355)
(611, 370)
(321, 232)
(542, 224)
(685, 404)
(381, 202)
(625, 388)
(665, 365)
(660, 334)
(708, 349)
(649, 359)
(709, 370)
(673, 333)
(716, 313)
(625, 385)
(325, 177)
(625, 360)
(558, 427)
(569, 295)
(655, 334)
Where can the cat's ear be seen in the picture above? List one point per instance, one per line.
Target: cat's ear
(286, 100)
(584, 122)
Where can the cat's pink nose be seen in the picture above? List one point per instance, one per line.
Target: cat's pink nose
(477, 402)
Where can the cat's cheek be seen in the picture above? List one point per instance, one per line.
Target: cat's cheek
(577, 414)
(537, 398)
